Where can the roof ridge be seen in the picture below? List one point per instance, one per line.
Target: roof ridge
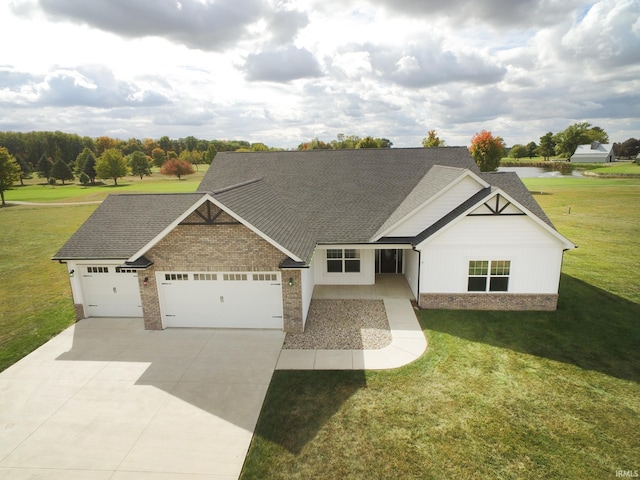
(237, 185)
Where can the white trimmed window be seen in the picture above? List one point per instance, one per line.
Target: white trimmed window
(485, 276)
(341, 260)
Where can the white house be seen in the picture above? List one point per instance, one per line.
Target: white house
(265, 228)
(595, 152)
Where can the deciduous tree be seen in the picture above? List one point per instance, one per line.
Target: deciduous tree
(518, 151)
(139, 164)
(628, 149)
(9, 171)
(531, 149)
(177, 167)
(580, 133)
(210, 154)
(547, 146)
(432, 140)
(368, 142)
(111, 164)
(159, 156)
(194, 157)
(25, 171)
(487, 150)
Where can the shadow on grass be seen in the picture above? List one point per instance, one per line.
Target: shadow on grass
(591, 329)
(299, 403)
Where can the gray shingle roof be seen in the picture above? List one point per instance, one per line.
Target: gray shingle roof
(338, 196)
(123, 224)
(297, 199)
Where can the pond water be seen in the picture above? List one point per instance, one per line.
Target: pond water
(532, 172)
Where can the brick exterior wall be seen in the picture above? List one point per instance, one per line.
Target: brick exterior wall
(79, 309)
(223, 246)
(488, 301)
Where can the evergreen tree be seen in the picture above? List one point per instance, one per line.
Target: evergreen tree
(61, 171)
(44, 167)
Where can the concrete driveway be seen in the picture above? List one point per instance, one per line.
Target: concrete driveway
(108, 400)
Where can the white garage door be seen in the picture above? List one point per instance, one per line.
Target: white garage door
(109, 291)
(221, 299)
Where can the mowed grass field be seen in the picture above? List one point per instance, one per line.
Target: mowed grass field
(496, 395)
(35, 296)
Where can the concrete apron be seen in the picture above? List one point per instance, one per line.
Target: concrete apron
(108, 400)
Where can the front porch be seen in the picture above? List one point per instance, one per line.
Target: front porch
(388, 285)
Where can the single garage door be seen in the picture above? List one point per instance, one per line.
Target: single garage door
(109, 291)
(221, 299)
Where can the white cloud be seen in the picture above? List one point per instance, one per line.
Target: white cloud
(284, 71)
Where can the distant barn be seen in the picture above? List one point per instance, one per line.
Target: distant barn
(595, 152)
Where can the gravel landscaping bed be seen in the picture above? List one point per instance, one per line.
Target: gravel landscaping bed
(343, 325)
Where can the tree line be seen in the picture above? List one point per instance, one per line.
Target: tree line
(58, 156)
(564, 144)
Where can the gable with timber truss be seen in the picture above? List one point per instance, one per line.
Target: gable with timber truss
(497, 205)
(209, 214)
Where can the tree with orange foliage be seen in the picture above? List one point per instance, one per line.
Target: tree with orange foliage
(487, 151)
(177, 167)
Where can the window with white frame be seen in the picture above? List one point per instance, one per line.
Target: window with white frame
(485, 276)
(341, 260)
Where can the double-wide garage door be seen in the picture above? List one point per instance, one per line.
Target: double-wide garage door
(221, 299)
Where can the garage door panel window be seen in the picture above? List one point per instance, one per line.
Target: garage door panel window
(176, 276)
(205, 276)
(265, 277)
(97, 269)
(237, 277)
(485, 276)
(126, 270)
(343, 260)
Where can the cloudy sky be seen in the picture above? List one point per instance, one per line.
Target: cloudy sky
(285, 71)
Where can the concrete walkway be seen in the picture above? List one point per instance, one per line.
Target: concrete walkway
(107, 400)
(407, 345)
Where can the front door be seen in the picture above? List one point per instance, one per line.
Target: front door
(389, 260)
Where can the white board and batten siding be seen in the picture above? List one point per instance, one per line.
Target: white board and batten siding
(221, 299)
(535, 254)
(411, 270)
(433, 211)
(105, 290)
(366, 275)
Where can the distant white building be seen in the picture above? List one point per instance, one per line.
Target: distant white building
(595, 152)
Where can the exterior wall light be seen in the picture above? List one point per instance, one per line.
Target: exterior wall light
(72, 272)
(145, 281)
(290, 282)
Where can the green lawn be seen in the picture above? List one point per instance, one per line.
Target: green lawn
(35, 296)
(36, 189)
(619, 168)
(498, 394)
